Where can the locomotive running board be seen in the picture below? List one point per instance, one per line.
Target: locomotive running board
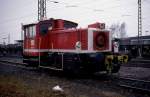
(52, 68)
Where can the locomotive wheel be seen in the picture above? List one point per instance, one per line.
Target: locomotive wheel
(71, 68)
(116, 65)
(30, 62)
(116, 68)
(112, 68)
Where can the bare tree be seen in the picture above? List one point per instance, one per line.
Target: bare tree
(115, 30)
(123, 32)
(118, 30)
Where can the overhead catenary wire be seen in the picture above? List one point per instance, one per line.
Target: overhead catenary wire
(66, 5)
(16, 18)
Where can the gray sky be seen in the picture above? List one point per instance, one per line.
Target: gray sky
(84, 12)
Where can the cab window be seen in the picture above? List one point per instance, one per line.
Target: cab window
(30, 31)
(26, 32)
(44, 28)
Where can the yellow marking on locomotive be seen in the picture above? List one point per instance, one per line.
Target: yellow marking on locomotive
(123, 58)
(120, 58)
(108, 63)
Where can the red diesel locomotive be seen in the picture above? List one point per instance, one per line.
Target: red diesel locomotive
(58, 44)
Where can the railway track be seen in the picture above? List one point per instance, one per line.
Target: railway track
(17, 64)
(134, 84)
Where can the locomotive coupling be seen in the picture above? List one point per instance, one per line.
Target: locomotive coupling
(114, 61)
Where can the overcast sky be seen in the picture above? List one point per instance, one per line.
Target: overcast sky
(84, 12)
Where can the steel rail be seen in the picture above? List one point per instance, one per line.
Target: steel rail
(136, 84)
(17, 64)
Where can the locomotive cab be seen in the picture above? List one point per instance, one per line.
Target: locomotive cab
(29, 37)
(35, 40)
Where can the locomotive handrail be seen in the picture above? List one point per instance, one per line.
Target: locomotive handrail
(39, 52)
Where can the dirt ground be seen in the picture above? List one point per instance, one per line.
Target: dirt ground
(14, 87)
(19, 82)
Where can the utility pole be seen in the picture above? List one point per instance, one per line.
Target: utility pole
(9, 38)
(41, 9)
(22, 31)
(139, 28)
(4, 43)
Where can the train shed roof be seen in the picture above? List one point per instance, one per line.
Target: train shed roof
(145, 40)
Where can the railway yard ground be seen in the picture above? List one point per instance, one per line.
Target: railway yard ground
(20, 81)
